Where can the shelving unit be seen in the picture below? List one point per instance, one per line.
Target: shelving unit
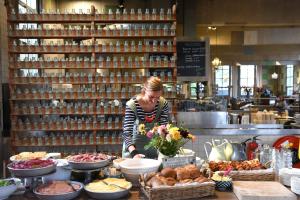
(81, 81)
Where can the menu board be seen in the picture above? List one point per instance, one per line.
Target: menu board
(191, 58)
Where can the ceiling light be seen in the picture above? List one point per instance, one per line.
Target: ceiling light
(213, 28)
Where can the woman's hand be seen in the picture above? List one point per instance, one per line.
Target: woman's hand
(139, 156)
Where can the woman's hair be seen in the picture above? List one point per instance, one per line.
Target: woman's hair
(153, 84)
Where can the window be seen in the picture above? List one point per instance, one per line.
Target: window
(193, 87)
(222, 80)
(30, 3)
(289, 79)
(247, 74)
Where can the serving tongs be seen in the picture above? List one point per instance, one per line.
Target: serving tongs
(114, 185)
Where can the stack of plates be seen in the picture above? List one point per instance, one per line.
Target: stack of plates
(295, 184)
(285, 175)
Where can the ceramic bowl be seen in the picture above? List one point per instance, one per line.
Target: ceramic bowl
(6, 191)
(139, 166)
(132, 168)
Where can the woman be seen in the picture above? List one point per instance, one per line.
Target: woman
(147, 108)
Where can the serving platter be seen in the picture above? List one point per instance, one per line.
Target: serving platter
(88, 165)
(31, 172)
(108, 195)
(65, 196)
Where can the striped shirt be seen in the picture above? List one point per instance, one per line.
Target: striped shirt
(130, 118)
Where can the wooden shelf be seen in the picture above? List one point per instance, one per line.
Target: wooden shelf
(90, 36)
(98, 113)
(69, 129)
(66, 145)
(84, 83)
(37, 51)
(93, 51)
(83, 18)
(76, 98)
(85, 65)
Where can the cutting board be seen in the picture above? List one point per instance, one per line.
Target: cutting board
(262, 190)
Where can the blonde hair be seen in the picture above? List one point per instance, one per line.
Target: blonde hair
(153, 84)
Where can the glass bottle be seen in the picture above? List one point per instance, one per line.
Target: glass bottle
(143, 30)
(161, 14)
(154, 48)
(140, 14)
(126, 46)
(140, 46)
(132, 14)
(133, 46)
(118, 48)
(110, 14)
(169, 45)
(166, 30)
(118, 14)
(153, 16)
(158, 30)
(169, 14)
(125, 14)
(111, 47)
(147, 14)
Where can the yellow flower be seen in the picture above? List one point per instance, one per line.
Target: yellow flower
(175, 134)
(168, 127)
(141, 129)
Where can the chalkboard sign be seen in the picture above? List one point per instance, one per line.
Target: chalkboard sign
(191, 58)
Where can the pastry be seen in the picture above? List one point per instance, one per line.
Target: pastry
(194, 171)
(168, 172)
(201, 179)
(154, 182)
(182, 173)
(171, 181)
(188, 180)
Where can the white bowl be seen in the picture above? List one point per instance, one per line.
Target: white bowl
(139, 166)
(132, 168)
(5, 191)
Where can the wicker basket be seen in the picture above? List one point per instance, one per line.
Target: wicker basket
(253, 175)
(189, 191)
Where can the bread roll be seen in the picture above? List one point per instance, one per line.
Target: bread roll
(188, 180)
(148, 176)
(201, 179)
(182, 173)
(171, 181)
(168, 172)
(194, 171)
(155, 182)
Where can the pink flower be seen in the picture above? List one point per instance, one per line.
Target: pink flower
(162, 130)
(150, 134)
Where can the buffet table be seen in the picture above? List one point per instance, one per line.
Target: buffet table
(135, 194)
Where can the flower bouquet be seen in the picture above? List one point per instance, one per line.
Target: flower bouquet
(167, 139)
